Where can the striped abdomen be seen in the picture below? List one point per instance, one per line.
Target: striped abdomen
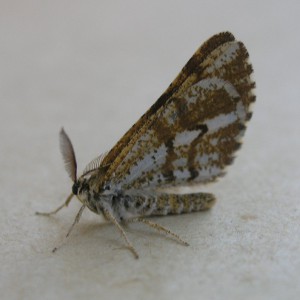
(163, 204)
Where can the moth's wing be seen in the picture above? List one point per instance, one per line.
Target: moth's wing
(190, 135)
(190, 74)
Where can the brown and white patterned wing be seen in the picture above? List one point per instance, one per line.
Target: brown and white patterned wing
(191, 136)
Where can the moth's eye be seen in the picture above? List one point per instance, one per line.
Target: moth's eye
(75, 188)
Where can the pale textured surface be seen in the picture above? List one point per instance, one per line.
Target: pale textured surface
(95, 67)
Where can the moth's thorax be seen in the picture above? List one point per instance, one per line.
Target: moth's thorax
(105, 197)
(82, 189)
(94, 195)
(92, 182)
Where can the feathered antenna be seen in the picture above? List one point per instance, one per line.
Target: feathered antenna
(94, 164)
(68, 154)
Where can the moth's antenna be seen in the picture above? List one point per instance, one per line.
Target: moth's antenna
(94, 164)
(68, 154)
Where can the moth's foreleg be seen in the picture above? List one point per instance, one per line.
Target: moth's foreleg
(65, 204)
(77, 218)
(111, 218)
(160, 228)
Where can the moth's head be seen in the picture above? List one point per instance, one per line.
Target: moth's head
(81, 186)
(75, 187)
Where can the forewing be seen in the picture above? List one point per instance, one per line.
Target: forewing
(190, 74)
(191, 136)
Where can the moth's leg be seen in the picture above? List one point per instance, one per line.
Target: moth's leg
(77, 218)
(161, 228)
(165, 203)
(65, 204)
(111, 218)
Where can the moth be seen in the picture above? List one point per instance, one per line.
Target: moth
(187, 137)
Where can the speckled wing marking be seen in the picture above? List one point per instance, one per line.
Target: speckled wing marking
(190, 134)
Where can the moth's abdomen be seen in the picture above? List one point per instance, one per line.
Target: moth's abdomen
(164, 204)
(183, 203)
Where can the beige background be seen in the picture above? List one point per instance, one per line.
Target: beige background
(94, 67)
